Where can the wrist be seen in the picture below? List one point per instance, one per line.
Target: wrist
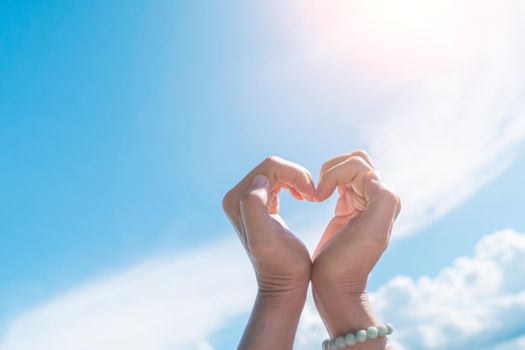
(290, 284)
(328, 279)
(289, 290)
(274, 319)
(346, 311)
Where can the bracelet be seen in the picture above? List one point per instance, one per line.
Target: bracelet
(362, 335)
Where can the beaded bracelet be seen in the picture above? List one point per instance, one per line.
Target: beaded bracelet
(362, 335)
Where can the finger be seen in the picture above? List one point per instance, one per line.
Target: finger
(351, 172)
(359, 202)
(295, 194)
(260, 225)
(292, 175)
(345, 204)
(273, 203)
(339, 159)
(254, 207)
(374, 225)
(280, 173)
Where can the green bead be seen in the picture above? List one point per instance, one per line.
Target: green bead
(382, 330)
(361, 336)
(350, 339)
(389, 328)
(326, 344)
(340, 342)
(372, 332)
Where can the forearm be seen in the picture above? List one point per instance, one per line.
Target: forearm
(344, 312)
(273, 321)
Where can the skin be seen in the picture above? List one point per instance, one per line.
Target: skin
(281, 262)
(349, 248)
(351, 245)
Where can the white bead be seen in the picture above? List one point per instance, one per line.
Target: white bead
(340, 343)
(382, 330)
(372, 332)
(361, 336)
(350, 339)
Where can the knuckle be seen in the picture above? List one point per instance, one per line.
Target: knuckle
(398, 204)
(355, 161)
(388, 196)
(271, 160)
(325, 166)
(228, 202)
(360, 153)
(389, 200)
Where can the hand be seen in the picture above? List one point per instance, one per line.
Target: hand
(281, 261)
(352, 243)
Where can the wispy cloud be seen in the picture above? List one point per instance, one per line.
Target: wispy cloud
(178, 303)
(434, 89)
(161, 304)
(513, 344)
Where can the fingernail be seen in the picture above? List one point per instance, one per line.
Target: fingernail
(260, 181)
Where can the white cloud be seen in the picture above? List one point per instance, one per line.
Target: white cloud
(160, 304)
(163, 303)
(514, 344)
(477, 303)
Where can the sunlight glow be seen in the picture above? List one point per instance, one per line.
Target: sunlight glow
(400, 39)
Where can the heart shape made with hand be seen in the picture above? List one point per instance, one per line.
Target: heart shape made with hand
(353, 167)
(349, 248)
(346, 172)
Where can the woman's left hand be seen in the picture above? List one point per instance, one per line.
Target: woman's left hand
(352, 243)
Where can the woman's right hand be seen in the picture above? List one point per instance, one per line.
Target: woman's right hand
(281, 261)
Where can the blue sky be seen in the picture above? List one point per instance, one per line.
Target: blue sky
(98, 156)
(122, 124)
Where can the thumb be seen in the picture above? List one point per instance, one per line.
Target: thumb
(254, 201)
(255, 216)
(259, 187)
